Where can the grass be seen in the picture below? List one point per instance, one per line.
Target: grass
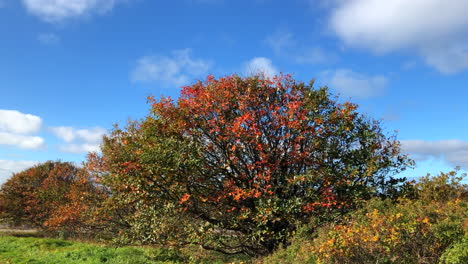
(33, 250)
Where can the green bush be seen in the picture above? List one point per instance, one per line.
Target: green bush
(456, 254)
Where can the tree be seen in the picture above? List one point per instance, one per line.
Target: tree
(78, 212)
(245, 160)
(31, 197)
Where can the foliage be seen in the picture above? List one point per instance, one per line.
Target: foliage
(31, 196)
(55, 196)
(77, 213)
(457, 253)
(297, 252)
(237, 163)
(410, 231)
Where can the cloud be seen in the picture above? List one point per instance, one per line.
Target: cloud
(17, 122)
(283, 44)
(260, 65)
(454, 152)
(48, 38)
(16, 129)
(437, 30)
(80, 148)
(353, 84)
(79, 140)
(178, 69)
(59, 10)
(21, 141)
(8, 167)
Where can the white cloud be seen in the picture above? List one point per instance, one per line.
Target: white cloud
(80, 148)
(454, 152)
(17, 122)
(8, 167)
(16, 127)
(60, 10)
(260, 65)
(283, 44)
(48, 38)
(437, 30)
(22, 141)
(178, 69)
(353, 84)
(67, 134)
(79, 140)
(92, 135)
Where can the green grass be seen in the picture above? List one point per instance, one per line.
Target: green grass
(33, 250)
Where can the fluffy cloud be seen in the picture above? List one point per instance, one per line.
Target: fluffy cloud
(455, 152)
(435, 29)
(22, 141)
(17, 122)
(79, 140)
(260, 65)
(283, 44)
(8, 167)
(353, 84)
(48, 38)
(178, 69)
(60, 10)
(16, 129)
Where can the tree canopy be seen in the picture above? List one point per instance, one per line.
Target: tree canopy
(235, 164)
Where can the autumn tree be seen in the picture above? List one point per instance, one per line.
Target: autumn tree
(32, 196)
(235, 164)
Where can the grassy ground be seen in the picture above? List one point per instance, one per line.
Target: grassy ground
(33, 250)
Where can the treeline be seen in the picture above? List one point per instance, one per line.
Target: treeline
(236, 165)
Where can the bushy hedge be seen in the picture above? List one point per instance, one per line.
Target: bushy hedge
(429, 225)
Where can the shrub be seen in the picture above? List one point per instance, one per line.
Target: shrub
(30, 197)
(410, 231)
(57, 197)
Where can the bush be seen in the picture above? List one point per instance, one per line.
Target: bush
(410, 231)
(237, 163)
(56, 197)
(30, 197)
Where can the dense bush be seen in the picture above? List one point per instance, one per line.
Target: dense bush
(429, 228)
(53, 196)
(236, 163)
(30, 197)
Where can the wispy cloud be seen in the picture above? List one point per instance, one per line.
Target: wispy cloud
(48, 38)
(177, 69)
(260, 65)
(285, 45)
(437, 30)
(79, 140)
(350, 83)
(454, 152)
(60, 10)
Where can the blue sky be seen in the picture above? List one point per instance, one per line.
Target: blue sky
(71, 69)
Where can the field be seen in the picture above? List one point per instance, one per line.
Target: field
(24, 248)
